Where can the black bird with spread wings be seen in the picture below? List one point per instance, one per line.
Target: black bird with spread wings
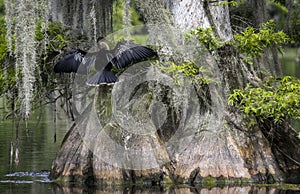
(124, 54)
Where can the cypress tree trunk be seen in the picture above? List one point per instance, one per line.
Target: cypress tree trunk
(78, 15)
(197, 137)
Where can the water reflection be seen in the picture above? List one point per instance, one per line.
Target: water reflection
(178, 190)
(52, 188)
(38, 182)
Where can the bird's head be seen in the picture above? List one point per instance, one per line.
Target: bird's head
(102, 44)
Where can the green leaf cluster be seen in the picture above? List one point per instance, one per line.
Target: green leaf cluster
(253, 42)
(277, 100)
(187, 69)
(7, 81)
(281, 2)
(205, 36)
(228, 3)
(56, 33)
(3, 43)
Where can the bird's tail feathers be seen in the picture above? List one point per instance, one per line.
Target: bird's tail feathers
(102, 78)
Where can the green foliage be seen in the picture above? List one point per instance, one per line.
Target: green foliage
(286, 15)
(277, 100)
(7, 72)
(205, 36)
(118, 8)
(187, 69)
(279, 8)
(51, 36)
(228, 3)
(281, 2)
(3, 43)
(2, 8)
(56, 33)
(252, 42)
(7, 80)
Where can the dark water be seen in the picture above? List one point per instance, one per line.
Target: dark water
(37, 149)
(27, 171)
(36, 143)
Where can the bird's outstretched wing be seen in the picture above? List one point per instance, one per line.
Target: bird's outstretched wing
(127, 53)
(70, 62)
(102, 77)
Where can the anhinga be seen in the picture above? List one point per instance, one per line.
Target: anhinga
(124, 54)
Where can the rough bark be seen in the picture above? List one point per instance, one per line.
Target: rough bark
(259, 12)
(200, 138)
(77, 16)
(74, 160)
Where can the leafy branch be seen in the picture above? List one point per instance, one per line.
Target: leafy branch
(253, 42)
(187, 69)
(277, 100)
